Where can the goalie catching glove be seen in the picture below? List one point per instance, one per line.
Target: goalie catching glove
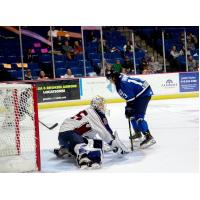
(118, 146)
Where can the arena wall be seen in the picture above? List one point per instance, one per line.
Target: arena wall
(165, 86)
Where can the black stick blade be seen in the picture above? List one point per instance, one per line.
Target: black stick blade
(54, 126)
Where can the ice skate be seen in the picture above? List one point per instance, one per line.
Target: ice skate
(136, 137)
(61, 152)
(148, 141)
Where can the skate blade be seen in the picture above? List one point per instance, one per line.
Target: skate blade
(150, 143)
(136, 144)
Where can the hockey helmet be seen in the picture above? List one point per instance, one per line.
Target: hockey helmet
(111, 74)
(98, 103)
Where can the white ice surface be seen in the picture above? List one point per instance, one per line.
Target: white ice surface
(173, 123)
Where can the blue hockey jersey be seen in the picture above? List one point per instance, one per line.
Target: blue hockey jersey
(130, 88)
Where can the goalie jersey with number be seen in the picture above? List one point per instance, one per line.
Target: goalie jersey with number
(89, 122)
(130, 88)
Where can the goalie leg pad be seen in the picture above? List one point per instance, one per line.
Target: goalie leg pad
(88, 157)
(93, 143)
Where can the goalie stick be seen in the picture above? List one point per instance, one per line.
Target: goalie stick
(49, 127)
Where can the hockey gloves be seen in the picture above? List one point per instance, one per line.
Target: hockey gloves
(117, 145)
(129, 111)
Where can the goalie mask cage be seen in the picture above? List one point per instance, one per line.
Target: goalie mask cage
(19, 129)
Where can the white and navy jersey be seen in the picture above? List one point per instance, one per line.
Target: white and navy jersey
(130, 88)
(89, 122)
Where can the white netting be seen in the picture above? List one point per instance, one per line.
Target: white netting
(17, 128)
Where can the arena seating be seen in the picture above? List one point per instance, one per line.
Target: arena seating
(10, 52)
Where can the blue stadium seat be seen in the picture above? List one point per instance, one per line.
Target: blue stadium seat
(94, 56)
(87, 63)
(181, 60)
(2, 59)
(91, 50)
(139, 54)
(72, 64)
(35, 57)
(95, 62)
(111, 61)
(107, 55)
(59, 64)
(45, 58)
(12, 59)
(19, 74)
(78, 57)
(60, 72)
(12, 74)
(115, 55)
(77, 71)
(59, 58)
(89, 69)
(35, 73)
(33, 66)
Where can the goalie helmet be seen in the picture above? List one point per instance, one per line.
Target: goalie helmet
(98, 103)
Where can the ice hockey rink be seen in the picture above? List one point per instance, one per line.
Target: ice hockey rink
(174, 123)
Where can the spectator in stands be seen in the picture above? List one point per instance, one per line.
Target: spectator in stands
(29, 55)
(192, 41)
(42, 76)
(91, 37)
(53, 32)
(182, 51)
(128, 47)
(115, 49)
(191, 64)
(58, 42)
(147, 70)
(182, 38)
(28, 75)
(174, 54)
(77, 48)
(105, 47)
(117, 66)
(68, 74)
(107, 66)
(127, 67)
(196, 67)
(68, 50)
(155, 66)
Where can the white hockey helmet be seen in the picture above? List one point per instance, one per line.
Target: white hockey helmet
(98, 103)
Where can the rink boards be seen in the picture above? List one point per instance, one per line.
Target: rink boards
(165, 86)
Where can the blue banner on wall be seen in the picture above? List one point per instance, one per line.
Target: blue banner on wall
(189, 82)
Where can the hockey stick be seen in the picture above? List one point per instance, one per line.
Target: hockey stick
(129, 123)
(49, 127)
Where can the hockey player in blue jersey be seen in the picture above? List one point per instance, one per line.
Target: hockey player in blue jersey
(137, 93)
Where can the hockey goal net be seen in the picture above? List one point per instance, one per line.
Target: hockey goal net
(19, 129)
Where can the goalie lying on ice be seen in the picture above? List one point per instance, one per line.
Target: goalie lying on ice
(78, 136)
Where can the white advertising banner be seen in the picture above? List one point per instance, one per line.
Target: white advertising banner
(97, 86)
(161, 84)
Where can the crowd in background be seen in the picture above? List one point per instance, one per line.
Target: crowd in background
(70, 48)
